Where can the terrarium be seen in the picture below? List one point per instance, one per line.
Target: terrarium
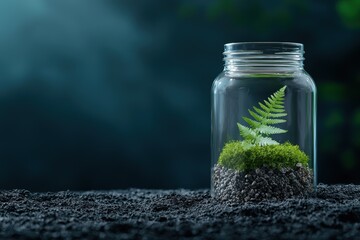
(263, 124)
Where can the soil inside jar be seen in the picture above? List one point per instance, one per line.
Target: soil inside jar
(262, 183)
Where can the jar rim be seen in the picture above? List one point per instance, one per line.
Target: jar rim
(265, 43)
(264, 46)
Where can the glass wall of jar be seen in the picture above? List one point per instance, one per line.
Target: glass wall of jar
(263, 133)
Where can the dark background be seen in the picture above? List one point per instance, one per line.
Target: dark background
(116, 94)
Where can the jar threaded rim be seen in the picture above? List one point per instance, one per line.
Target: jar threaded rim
(263, 55)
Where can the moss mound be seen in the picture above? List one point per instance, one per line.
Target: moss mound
(235, 156)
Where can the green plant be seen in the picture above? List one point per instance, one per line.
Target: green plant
(268, 113)
(257, 148)
(235, 156)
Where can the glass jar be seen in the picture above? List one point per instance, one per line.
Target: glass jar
(263, 124)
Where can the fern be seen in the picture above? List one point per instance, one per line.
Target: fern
(268, 113)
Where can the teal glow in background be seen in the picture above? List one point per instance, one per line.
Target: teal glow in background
(115, 94)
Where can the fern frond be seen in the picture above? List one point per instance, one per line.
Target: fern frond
(269, 112)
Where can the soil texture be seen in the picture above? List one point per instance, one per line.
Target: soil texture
(333, 213)
(262, 183)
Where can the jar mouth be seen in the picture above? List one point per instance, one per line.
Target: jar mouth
(241, 56)
(263, 46)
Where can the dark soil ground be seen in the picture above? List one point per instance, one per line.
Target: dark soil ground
(177, 214)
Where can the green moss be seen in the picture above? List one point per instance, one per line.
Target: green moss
(235, 156)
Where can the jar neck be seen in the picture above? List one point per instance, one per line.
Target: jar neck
(263, 57)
